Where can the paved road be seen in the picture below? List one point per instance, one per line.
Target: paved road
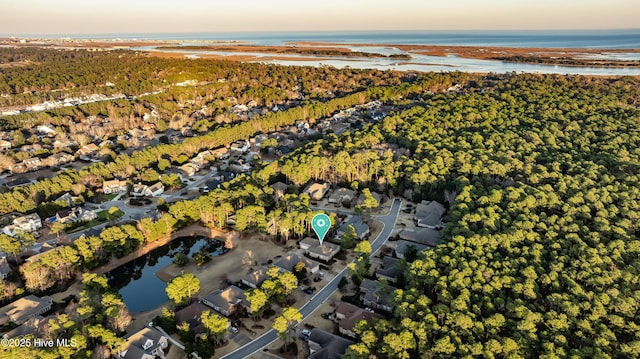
(388, 222)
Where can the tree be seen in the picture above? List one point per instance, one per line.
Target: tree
(286, 322)
(348, 238)
(215, 324)
(10, 244)
(180, 259)
(181, 288)
(368, 202)
(257, 301)
(57, 227)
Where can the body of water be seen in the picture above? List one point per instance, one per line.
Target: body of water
(593, 39)
(616, 39)
(137, 282)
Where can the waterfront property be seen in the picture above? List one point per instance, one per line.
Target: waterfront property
(24, 308)
(146, 343)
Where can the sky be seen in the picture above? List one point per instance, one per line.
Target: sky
(20, 17)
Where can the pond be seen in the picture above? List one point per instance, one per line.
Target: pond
(137, 282)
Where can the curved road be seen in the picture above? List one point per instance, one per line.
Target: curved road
(388, 223)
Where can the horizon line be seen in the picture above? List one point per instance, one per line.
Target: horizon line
(322, 31)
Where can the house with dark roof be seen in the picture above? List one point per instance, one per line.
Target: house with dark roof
(348, 315)
(389, 270)
(376, 294)
(289, 263)
(341, 195)
(401, 247)
(191, 315)
(5, 269)
(426, 236)
(226, 301)
(429, 214)
(325, 251)
(36, 326)
(362, 229)
(324, 345)
(146, 343)
(279, 190)
(19, 311)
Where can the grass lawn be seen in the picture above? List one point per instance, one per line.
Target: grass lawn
(101, 217)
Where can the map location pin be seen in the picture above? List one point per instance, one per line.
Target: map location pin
(321, 224)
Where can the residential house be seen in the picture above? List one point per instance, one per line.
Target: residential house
(221, 153)
(376, 294)
(402, 246)
(5, 269)
(5, 145)
(114, 186)
(32, 164)
(59, 159)
(240, 166)
(429, 214)
(189, 169)
(325, 251)
(87, 151)
(191, 315)
(289, 263)
(362, 229)
(240, 146)
(317, 190)
(389, 270)
(341, 195)
(226, 301)
(154, 190)
(348, 315)
(18, 168)
(324, 345)
(75, 214)
(426, 236)
(28, 223)
(279, 190)
(377, 196)
(255, 278)
(307, 243)
(36, 326)
(19, 311)
(17, 182)
(202, 158)
(37, 249)
(45, 130)
(146, 343)
(138, 190)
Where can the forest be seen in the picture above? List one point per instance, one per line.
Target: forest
(540, 257)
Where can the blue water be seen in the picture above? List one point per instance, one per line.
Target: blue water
(137, 282)
(619, 39)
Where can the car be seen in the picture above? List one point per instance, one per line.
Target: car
(233, 330)
(310, 290)
(305, 334)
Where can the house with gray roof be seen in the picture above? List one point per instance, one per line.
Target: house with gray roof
(376, 294)
(226, 301)
(426, 236)
(255, 278)
(324, 345)
(289, 263)
(429, 214)
(348, 315)
(389, 270)
(146, 343)
(362, 229)
(5, 269)
(21, 310)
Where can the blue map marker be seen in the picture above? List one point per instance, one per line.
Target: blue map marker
(321, 224)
